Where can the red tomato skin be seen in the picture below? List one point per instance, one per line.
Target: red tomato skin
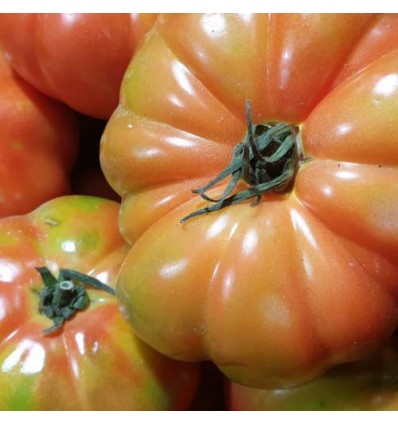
(277, 293)
(95, 362)
(76, 58)
(39, 143)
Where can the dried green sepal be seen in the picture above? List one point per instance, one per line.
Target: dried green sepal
(62, 297)
(266, 160)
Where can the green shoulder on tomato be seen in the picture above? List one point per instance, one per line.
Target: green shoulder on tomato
(91, 359)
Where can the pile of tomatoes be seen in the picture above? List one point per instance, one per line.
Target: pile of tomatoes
(198, 211)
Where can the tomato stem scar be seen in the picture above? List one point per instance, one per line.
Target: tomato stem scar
(267, 160)
(62, 297)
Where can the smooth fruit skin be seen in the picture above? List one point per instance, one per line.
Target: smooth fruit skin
(95, 362)
(77, 58)
(369, 384)
(277, 293)
(38, 145)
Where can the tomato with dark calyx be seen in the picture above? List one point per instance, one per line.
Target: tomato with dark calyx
(293, 266)
(77, 58)
(38, 145)
(369, 384)
(92, 360)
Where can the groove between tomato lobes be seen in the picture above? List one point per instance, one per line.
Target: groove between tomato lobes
(276, 293)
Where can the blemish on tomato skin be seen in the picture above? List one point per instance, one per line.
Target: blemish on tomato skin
(52, 222)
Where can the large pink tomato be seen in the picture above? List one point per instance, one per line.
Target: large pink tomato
(280, 134)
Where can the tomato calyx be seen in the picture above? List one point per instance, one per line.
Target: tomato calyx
(62, 297)
(267, 160)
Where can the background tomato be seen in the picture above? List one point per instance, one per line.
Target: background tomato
(275, 293)
(38, 145)
(369, 384)
(76, 58)
(95, 362)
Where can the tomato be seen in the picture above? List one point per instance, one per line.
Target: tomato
(93, 360)
(293, 267)
(369, 384)
(76, 58)
(38, 145)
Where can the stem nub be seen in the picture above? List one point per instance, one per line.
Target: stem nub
(267, 160)
(62, 297)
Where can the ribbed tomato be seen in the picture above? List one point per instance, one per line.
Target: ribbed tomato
(38, 145)
(292, 267)
(77, 58)
(93, 360)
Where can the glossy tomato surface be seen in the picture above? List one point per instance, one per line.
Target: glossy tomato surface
(78, 58)
(95, 361)
(275, 293)
(38, 145)
(369, 384)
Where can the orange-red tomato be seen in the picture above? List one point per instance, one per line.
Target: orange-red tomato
(273, 293)
(369, 384)
(38, 145)
(76, 58)
(95, 361)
